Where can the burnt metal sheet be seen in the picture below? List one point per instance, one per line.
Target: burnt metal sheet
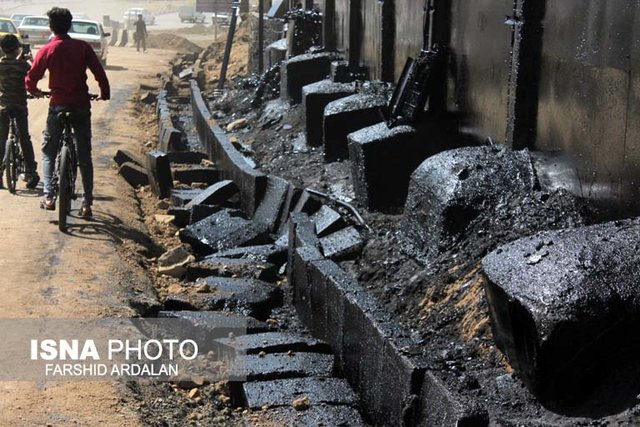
(371, 16)
(341, 25)
(480, 66)
(589, 95)
(408, 32)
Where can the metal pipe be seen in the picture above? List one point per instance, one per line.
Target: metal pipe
(346, 205)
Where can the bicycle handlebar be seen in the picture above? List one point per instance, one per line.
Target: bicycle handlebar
(46, 94)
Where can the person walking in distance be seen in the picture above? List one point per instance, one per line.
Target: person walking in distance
(141, 34)
(13, 102)
(67, 61)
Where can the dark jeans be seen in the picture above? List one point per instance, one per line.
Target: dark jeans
(22, 126)
(81, 123)
(141, 39)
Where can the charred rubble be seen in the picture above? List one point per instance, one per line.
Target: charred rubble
(444, 280)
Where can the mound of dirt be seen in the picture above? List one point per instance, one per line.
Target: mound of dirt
(239, 60)
(173, 42)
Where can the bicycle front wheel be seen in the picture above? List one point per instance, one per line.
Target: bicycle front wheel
(65, 187)
(11, 165)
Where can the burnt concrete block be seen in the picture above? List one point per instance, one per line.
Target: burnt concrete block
(223, 230)
(343, 244)
(188, 174)
(159, 171)
(170, 138)
(307, 203)
(300, 279)
(200, 212)
(368, 344)
(345, 116)
(182, 216)
(231, 267)
(383, 160)
(186, 157)
(302, 232)
(249, 297)
(271, 342)
(303, 248)
(399, 399)
(327, 221)
(182, 196)
(330, 391)
(215, 194)
(264, 253)
(313, 417)
(562, 306)
(253, 367)
(315, 97)
(220, 322)
(124, 156)
(439, 407)
(302, 70)
(206, 327)
(269, 211)
(134, 174)
(342, 72)
(448, 191)
(293, 195)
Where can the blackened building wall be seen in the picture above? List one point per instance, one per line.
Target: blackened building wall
(549, 75)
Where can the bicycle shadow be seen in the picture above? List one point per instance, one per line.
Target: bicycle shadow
(106, 227)
(28, 192)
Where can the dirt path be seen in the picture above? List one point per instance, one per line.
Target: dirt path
(47, 274)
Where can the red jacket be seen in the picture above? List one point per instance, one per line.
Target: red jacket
(67, 60)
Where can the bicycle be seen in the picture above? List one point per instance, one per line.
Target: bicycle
(65, 173)
(13, 159)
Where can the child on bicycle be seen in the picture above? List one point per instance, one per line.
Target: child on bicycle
(13, 101)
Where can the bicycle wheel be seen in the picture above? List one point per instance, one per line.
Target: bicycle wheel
(65, 190)
(11, 165)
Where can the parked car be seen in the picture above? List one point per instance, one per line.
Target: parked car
(189, 13)
(93, 33)
(7, 27)
(18, 17)
(131, 16)
(36, 29)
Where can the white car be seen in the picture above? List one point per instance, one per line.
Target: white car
(35, 29)
(92, 33)
(18, 17)
(131, 16)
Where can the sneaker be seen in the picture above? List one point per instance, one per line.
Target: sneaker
(85, 211)
(48, 203)
(32, 179)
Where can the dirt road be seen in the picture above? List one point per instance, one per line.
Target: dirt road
(47, 274)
